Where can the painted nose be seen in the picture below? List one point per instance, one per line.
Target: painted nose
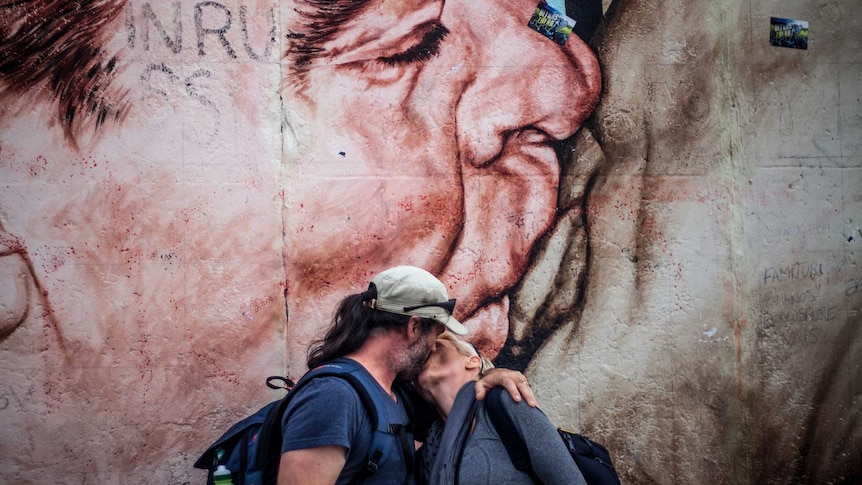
(527, 93)
(525, 83)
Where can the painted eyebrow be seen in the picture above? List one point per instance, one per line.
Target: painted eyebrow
(427, 48)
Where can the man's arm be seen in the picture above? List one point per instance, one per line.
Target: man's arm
(312, 466)
(512, 380)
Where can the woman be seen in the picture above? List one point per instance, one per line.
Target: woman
(463, 446)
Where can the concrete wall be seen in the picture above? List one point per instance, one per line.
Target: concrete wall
(185, 195)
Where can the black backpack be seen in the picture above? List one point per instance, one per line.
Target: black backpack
(592, 459)
(251, 448)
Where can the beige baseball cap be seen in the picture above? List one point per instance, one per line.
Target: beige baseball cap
(408, 290)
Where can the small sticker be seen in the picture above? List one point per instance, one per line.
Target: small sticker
(551, 21)
(788, 33)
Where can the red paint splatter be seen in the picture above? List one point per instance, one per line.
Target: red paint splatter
(11, 244)
(252, 308)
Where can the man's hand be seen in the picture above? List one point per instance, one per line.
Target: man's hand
(512, 380)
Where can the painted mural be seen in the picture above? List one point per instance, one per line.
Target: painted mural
(651, 211)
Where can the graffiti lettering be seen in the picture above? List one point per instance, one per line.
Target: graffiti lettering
(211, 20)
(175, 44)
(202, 99)
(146, 77)
(273, 34)
(790, 297)
(787, 335)
(773, 234)
(219, 32)
(189, 84)
(8, 397)
(795, 271)
(821, 313)
(853, 287)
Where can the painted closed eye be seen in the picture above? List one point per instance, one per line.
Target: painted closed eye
(426, 48)
(423, 44)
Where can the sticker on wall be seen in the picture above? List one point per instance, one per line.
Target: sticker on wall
(788, 33)
(550, 20)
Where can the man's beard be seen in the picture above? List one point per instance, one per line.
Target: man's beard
(414, 358)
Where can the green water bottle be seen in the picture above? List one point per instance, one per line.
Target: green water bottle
(222, 476)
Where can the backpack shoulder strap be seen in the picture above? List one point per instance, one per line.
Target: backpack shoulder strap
(380, 442)
(515, 445)
(271, 434)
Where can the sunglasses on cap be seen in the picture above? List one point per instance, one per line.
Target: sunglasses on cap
(449, 306)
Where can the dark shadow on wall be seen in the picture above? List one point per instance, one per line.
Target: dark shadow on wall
(831, 445)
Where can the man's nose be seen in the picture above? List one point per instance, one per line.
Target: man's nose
(524, 82)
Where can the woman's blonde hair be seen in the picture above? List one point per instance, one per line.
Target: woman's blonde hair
(467, 350)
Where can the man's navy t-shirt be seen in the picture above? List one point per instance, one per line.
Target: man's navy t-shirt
(327, 411)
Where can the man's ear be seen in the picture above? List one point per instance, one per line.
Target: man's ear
(414, 328)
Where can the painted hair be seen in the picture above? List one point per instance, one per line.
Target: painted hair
(58, 45)
(317, 21)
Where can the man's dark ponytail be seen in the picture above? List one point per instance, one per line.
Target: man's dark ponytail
(353, 323)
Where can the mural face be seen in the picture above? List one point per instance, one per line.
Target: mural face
(429, 157)
(187, 189)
